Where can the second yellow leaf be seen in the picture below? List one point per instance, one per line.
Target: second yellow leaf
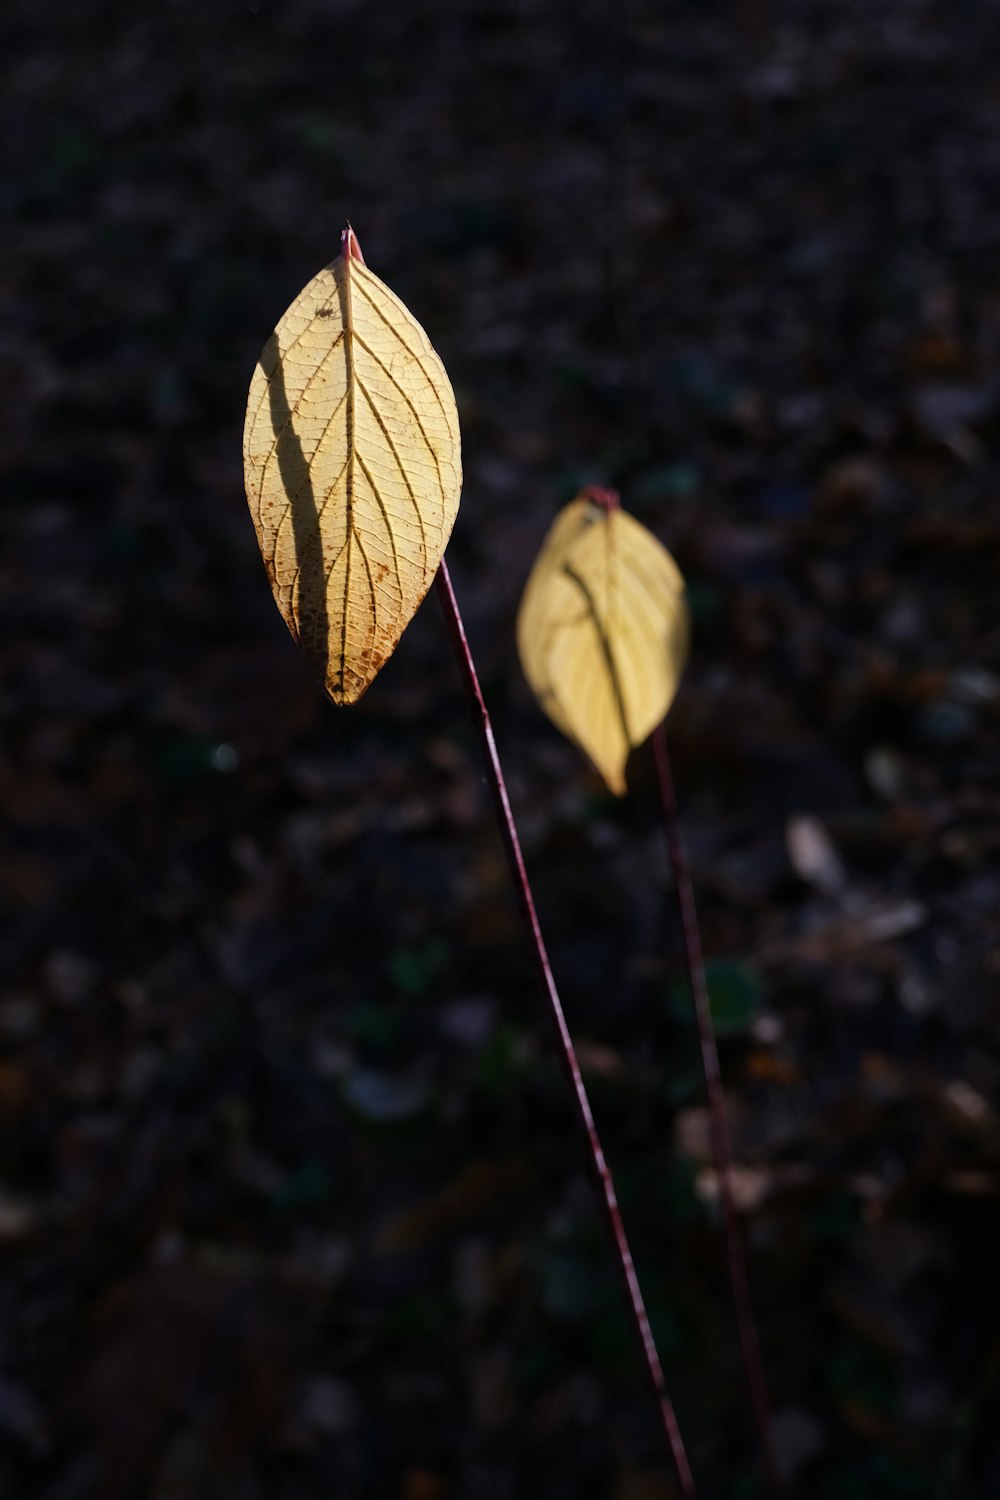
(603, 630)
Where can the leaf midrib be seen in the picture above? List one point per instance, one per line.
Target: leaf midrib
(349, 483)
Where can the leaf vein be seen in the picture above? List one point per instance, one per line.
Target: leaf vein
(371, 588)
(293, 409)
(402, 474)
(406, 397)
(419, 358)
(385, 516)
(321, 511)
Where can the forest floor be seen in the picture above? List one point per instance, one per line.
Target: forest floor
(291, 1203)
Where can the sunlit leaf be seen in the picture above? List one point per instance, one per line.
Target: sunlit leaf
(353, 469)
(603, 630)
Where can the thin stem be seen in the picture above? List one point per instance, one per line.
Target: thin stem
(721, 1148)
(567, 1052)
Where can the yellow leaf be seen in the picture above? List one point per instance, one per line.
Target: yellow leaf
(353, 470)
(603, 630)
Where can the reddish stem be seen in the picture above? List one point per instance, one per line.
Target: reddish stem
(721, 1147)
(567, 1052)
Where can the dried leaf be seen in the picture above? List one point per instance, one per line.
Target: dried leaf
(353, 469)
(603, 630)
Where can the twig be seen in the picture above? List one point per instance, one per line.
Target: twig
(721, 1148)
(585, 1118)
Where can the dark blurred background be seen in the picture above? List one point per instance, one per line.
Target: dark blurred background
(290, 1198)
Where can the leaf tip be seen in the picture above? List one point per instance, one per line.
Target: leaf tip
(615, 782)
(597, 494)
(349, 246)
